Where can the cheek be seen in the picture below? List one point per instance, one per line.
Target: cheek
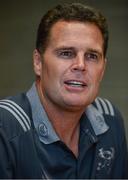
(50, 72)
(99, 77)
(96, 75)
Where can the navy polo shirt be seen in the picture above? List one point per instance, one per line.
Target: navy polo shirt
(56, 159)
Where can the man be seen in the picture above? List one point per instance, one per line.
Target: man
(60, 128)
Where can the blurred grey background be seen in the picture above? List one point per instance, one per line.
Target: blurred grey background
(18, 24)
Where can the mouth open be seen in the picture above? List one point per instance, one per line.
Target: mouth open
(75, 83)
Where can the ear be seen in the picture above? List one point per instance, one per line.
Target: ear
(37, 63)
(103, 70)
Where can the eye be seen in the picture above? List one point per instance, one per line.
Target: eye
(66, 54)
(91, 56)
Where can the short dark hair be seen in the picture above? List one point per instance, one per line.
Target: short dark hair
(70, 12)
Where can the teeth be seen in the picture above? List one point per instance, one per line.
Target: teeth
(75, 83)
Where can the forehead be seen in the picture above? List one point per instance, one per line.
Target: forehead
(75, 33)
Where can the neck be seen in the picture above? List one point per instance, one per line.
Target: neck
(66, 126)
(65, 123)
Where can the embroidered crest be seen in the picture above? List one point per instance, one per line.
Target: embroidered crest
(105, 159)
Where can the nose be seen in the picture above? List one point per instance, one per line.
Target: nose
(79, 64)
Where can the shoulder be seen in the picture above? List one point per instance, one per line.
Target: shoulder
(15, 114)
(112, 116)
(113, 141)
(107, 108)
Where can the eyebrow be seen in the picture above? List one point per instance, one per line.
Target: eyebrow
(64, 48)
(95, 51)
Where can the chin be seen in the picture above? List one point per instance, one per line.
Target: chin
(80, 101)
(77, 104)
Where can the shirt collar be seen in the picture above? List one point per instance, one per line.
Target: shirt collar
(96, 119)
(44, 127)
(41, 122)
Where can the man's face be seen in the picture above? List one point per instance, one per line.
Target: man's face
(72, 65)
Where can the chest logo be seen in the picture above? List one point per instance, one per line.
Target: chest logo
(105, 159)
